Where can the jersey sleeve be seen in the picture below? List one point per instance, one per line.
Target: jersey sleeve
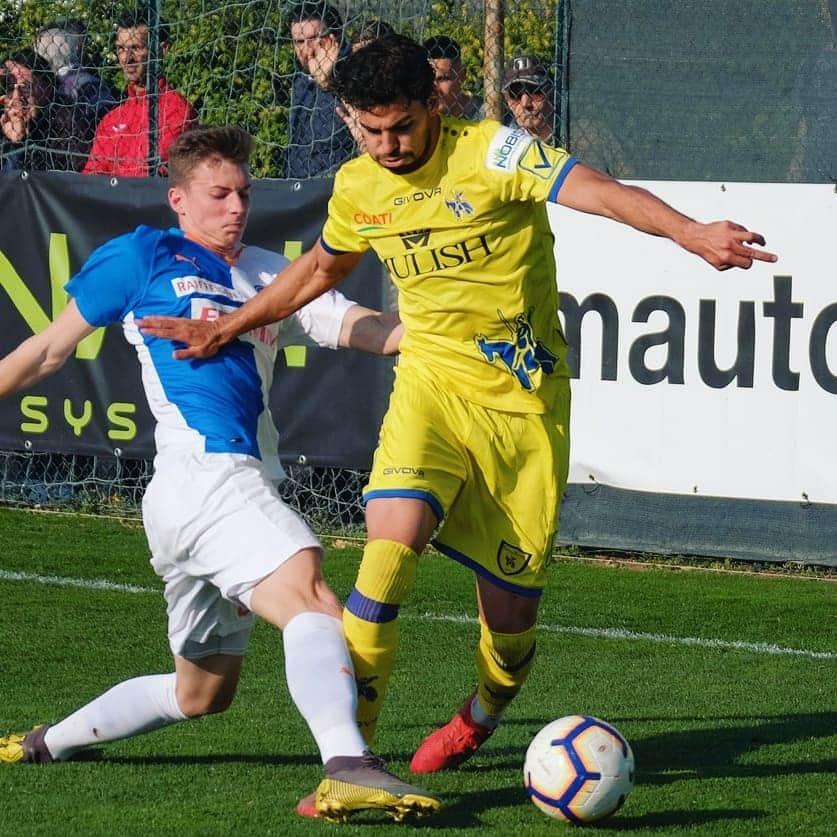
(318, 323)
(524, 168)
(110, 282)
(338, 235)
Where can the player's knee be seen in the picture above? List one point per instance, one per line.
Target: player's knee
(197, 703)
(315, 597)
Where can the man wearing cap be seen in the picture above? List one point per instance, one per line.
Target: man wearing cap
(528, 90)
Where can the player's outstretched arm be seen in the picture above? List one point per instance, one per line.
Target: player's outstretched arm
(305, 278)
(724, 244)
(378, 332)
(44, 353)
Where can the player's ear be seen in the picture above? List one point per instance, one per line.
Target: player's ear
(175, 196)
(433, 104)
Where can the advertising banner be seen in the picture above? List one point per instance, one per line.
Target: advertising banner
(705, 401)
(693, 381)
(95, 404)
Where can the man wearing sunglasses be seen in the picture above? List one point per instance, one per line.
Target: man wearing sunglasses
(36, 133)
(529, 92)
(528, 89)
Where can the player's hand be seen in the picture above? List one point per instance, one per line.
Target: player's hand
(725, 244)
(201, 337)
(323, 58)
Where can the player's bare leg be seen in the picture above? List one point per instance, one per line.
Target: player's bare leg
(504, 658)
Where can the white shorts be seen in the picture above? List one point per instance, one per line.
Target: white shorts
(216, 527)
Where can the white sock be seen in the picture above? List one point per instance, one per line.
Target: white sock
(482, 717)
(321, 681)
(132, 707)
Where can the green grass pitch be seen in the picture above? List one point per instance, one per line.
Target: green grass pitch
(725, 685)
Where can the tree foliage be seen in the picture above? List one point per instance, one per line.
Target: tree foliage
(233, 60)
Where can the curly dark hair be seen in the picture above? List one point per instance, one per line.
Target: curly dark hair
(389, 70)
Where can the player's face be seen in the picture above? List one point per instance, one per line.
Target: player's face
(448, 80)
(400, 137)
(213, 204)
(132, 53)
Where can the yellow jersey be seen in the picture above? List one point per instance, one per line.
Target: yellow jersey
(467, 243)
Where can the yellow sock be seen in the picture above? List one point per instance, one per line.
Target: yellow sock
(503, 664)
(370, 622)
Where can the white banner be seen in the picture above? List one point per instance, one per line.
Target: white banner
(699, 382)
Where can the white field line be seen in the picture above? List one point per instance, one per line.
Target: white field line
(85, 583)
(597, 633)
(663, 639)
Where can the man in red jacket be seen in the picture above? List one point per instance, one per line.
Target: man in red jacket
(120, 146)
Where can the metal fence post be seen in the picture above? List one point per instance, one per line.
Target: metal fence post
(152, 87)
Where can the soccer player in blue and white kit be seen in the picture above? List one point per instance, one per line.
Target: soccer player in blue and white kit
(221, 539)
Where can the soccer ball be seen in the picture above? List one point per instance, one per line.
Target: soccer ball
(579, 768)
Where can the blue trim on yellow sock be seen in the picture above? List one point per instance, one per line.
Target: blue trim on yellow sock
(528, 592)
(370, 610)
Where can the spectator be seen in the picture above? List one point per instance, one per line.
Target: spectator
(87, 96)
(370, 30)
(34, 132)
(529, 91)
(120, 146)
(446, 59)
(814, 157)
(319, 140)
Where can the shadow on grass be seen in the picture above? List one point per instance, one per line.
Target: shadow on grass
(715, 752)
(679, 819)
(467, 809)
(708, 752)
(261, 759)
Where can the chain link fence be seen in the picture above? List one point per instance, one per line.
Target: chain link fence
(694, 90)
(642, 89)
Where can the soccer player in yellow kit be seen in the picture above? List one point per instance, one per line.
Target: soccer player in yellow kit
(474, 445)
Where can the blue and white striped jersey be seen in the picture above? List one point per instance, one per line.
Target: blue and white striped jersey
(217, 405)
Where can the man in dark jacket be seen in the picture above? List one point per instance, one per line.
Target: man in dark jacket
(318, 140)
(87, 96)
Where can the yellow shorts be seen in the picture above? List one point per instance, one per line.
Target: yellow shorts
(493, 479)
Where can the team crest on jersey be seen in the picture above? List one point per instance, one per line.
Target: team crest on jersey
(522, 354)
(459, 206)
(512, 560)
(415, 238)
(540, 160)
